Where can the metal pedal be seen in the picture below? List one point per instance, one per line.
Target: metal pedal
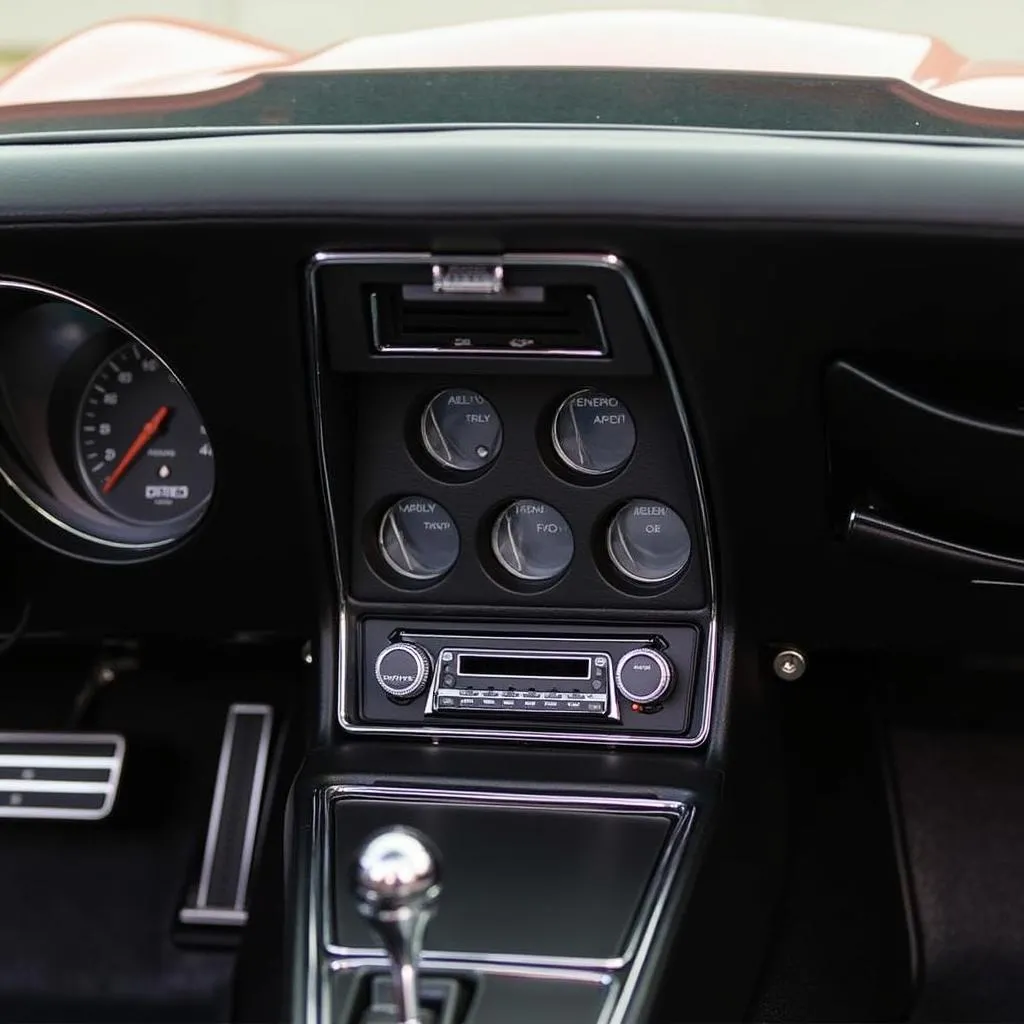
(69, 775)
(221, 896)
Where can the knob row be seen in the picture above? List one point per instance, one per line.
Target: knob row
(643, 676)
(592, 433)
(647, 542)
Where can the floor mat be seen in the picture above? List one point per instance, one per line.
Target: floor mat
(841, 950)
(89, 908)
(962, 797)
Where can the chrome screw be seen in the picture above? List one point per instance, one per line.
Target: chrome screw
(789, 664)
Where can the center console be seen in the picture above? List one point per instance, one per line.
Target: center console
(519, 524)
(522, 556)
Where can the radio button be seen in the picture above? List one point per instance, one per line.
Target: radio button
(643, 676)
(402, 671)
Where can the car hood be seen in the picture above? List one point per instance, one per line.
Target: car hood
(153, 58)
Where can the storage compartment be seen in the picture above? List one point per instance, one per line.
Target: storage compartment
(521, 879)
(926, 464)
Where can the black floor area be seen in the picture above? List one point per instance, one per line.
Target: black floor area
(89, 908)
(958, 745)
(850, 943)
(841, 950)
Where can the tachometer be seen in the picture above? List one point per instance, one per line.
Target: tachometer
(141, 447)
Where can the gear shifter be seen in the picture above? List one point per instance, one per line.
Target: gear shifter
(396, 882)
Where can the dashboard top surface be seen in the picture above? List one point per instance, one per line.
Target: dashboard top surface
(557, 172)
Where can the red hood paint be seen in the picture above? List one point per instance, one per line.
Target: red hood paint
(152, 58)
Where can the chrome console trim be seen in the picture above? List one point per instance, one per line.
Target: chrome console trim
(612, 264)
(620, 974)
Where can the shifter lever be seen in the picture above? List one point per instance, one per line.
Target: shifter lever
(396, 882)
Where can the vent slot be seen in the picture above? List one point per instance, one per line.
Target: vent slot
(531, 319)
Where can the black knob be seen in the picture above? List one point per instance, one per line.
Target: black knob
(643, 676)
(402, 670)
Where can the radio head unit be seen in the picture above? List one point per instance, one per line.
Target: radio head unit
(532, 681)
(528, 681)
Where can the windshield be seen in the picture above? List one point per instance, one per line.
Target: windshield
(913, 67)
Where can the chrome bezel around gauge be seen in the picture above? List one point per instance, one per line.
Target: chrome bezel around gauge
(614, 527)
(501, 520)
(566, 461)
(53, 344)
(405, 572)
(445, 461)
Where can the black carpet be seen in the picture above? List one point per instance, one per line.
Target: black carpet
(962, 792)
(841, 948)
(88, 909)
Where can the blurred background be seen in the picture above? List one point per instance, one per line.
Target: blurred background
(982, 29)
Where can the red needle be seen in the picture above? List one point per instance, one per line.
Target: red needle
(140, 442)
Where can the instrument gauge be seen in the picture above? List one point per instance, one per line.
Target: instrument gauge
(648, 542)
(461, 430)
(593, 433)
(141, 448)
(418, 539)
(532, 541)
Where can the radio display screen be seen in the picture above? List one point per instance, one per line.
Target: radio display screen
(527, 667)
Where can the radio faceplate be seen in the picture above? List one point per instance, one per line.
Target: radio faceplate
(532, 681)
(539, 679)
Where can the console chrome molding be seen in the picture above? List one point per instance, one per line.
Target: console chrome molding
(508, 970)
(705, 678)
(620, 974)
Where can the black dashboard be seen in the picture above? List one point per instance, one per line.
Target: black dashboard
(545, 441)
(856, 250)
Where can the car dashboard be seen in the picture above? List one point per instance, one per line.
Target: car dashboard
(524, 463)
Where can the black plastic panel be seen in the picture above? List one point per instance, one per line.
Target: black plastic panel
(541, 882)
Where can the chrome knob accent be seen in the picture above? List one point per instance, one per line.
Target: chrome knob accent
(402, 670)
(643, 676)
(396, 882)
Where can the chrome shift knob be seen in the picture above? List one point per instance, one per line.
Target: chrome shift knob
(396, 882)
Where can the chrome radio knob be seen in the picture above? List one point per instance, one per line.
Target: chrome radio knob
(402, 670)
(643, 676)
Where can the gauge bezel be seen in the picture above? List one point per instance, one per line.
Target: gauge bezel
(404, 573)
(643, 581)
(94, 494)
(536, 581)
(437, 463)
(566, 462)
